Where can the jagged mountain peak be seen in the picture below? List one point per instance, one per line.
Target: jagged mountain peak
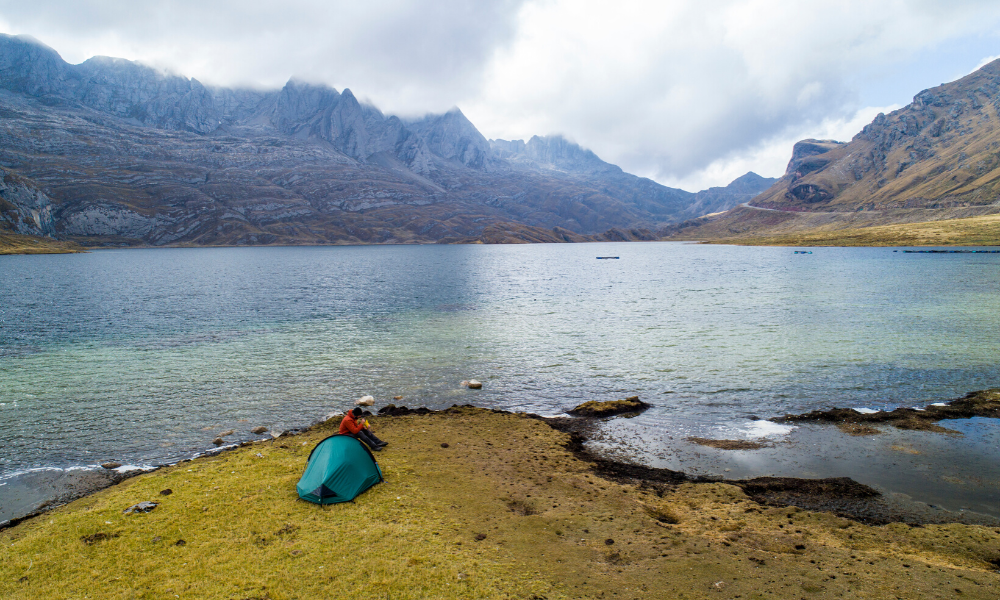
(452, 136)
(563, 154)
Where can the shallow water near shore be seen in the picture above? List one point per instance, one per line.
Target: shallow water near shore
(145, 356)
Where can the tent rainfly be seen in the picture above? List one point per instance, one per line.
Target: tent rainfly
(339, 468)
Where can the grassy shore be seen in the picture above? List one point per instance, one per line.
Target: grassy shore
(973, 231)
(506, 510)
(754, 227)
(11, 243)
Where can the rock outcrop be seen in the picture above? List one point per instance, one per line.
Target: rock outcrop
(24, 208)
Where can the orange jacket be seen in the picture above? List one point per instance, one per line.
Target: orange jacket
(349, 425)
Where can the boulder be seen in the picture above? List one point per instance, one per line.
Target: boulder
(472, 384)
(225, 433)
(259, 430)
(365, 401)
(111, 465)
(218, 441)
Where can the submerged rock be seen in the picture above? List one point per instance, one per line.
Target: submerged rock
(259, 430)
(111, 465)
(727, 444)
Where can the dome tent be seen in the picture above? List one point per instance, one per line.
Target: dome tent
(339, 468)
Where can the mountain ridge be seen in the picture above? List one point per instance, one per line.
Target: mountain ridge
(128, 155)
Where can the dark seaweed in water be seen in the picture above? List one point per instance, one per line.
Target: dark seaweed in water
(985, 403)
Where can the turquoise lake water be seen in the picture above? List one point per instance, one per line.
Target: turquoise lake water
(144, 356)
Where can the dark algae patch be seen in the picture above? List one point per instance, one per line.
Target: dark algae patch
(593, 408)
(985, 403)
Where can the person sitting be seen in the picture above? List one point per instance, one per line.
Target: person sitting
(359, 429)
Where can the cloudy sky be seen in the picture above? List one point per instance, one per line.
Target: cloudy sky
(692, 93)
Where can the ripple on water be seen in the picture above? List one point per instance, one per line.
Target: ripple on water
(128, 351)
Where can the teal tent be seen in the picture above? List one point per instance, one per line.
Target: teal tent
(339, 468)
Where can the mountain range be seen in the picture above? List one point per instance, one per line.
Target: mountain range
(112, 152)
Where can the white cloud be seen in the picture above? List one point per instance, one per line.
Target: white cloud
(770, 157)
(405, 54)
(984, 62)
(682, 90)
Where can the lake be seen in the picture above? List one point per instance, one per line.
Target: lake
(144, 356)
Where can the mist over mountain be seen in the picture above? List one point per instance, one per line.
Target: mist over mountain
(114, 152)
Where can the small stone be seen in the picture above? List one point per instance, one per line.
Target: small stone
(166, 492)
(157, 538)
(609, 541)
(225, 433)
(111, 465)
(444, 445)
(475, 385)
(141, 507)
(259, 430)
(480, 537)
(180, 543)
(218, 441)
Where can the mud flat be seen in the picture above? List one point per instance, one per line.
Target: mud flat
(478, 503)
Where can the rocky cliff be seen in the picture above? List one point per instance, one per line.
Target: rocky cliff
(114, 152)
(24, 209)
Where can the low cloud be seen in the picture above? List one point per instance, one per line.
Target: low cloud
(686, 92)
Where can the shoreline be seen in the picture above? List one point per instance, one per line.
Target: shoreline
(838, 495)
(475, 503)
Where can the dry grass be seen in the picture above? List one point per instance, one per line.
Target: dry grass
(973, 231)
(11, 243)
(503, 512)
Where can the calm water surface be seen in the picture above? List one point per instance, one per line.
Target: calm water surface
(144, 356)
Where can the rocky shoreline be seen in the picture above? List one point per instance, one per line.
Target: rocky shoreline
(984, 403)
